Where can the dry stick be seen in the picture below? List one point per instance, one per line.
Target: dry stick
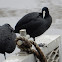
(34, 52)
(41, 56)
(30, 50)
(23, 39)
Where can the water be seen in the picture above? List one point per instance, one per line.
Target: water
(12, 10)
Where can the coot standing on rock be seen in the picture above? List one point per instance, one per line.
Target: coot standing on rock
(7, 39)
(34, 23)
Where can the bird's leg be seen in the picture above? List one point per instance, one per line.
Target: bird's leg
(34, 38)
(4, 55)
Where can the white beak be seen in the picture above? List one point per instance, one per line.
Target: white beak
(43, 14)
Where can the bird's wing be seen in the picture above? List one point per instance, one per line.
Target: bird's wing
(33, 24)
(27, 18)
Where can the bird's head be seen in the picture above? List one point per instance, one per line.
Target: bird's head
(9, 27)
(45, 12)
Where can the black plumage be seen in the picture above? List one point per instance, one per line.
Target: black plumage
(7, 39)
(34, 23)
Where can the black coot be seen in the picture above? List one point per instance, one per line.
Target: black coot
(7, 39)
(34, 23)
